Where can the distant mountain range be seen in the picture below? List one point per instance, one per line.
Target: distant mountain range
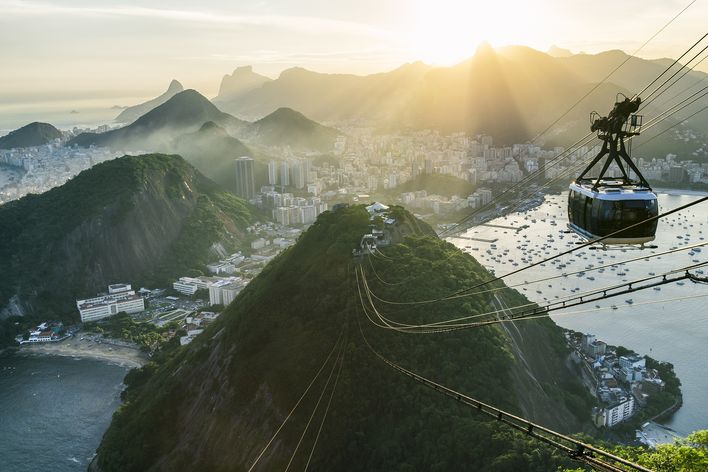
(33, 134)
(510, 93)
(130, 114)
(143, 219)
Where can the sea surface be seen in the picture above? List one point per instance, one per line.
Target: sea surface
(665, 324)
(54, 411)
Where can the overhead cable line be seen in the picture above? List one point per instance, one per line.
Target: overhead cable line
(688, 69)
(324, 416)
(546, 279)
(317, 405)
(669, 68)
(567, 302)
(263, 451)
(684, 120)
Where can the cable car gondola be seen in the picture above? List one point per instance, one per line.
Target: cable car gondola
(603, 205)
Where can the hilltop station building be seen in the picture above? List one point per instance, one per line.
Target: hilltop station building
(121, 297)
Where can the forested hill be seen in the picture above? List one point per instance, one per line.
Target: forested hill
(140, 219)
(217, 402)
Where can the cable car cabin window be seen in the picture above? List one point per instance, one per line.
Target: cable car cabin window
(615, 215)
(576, 208)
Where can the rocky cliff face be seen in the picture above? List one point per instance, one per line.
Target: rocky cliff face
(140, 219)
(221, 400)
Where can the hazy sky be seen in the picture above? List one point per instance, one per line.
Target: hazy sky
(108, 48)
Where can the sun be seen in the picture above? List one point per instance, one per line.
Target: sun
(447, 31)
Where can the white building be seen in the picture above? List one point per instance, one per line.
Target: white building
(224, 291)
(118, 288)
(97, 308)
(619, 412)
(40, 336)
(190, 285)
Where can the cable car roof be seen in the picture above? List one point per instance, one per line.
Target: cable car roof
(614, 193)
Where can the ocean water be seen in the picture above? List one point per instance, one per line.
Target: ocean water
(666, 324)
(54, 411)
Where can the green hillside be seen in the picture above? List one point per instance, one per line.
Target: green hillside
(286, 126)
(216, 403)
(185, 112)
(141, 219)
(33, 134)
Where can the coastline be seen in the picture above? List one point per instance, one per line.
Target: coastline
(105, 351)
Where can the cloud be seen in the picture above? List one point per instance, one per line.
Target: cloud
(196, 17)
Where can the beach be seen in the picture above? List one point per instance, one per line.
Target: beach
(106, 350)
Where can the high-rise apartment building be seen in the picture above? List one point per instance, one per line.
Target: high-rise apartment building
(245, 183)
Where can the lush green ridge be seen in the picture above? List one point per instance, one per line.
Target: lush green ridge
(33, 134)
(140, 219)
(286, 126)
(216, 403)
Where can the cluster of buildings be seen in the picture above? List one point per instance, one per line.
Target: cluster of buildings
(194, 325)
(38, 169)
(441, 205)
(48, 331)
(120, 298)
(669, 170)
(622, 384)
(288, 209)
(222, 290)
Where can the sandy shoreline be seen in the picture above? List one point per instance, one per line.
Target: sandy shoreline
(88, 349)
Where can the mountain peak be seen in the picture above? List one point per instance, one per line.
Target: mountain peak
(288, 126)
(175, 86)
(240, 82)
(131, 114)
(556, 51)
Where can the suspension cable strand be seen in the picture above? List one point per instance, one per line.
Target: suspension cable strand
(255, 462)
(317, 405)
(672, 76)
(324, 416)
(570, 301)
(699, 81)
(683, 121)
(530, 316)
(688, 69)
(668, 68)
(554, 277)
(373, 270)
(574, 448)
